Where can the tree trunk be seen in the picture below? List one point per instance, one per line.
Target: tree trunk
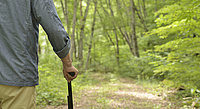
(80, 41)
(144, 10)
(73, 31)
(115, 31)
(124, 33)
(66, 14)
(142, 20)
(80, 50)
(91, 37)
(133, 36)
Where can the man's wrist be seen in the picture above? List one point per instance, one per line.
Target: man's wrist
(67, 61)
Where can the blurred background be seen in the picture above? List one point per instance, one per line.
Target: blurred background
(131, 54)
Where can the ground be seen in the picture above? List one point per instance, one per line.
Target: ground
(117, 93)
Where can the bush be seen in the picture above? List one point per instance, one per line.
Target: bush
(53, 87)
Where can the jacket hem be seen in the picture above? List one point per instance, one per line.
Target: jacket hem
(19, 84)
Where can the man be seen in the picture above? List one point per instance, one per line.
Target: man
(19, 20)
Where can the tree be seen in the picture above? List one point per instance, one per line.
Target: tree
(133, 35)
(73, 30)
(92, 35)
(66, 13)
(115, 32)
(179, 57)
(80, 43)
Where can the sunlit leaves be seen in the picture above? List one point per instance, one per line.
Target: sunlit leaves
(181, 18)
(178, 58)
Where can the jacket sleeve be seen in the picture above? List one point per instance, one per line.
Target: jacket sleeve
(46, 15)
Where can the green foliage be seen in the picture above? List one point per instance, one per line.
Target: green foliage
(137, 67)
(190, 98)
(179, 58)
(53, 87)
(177, 51)
(182, 62)
(170, 53)
(180, 18)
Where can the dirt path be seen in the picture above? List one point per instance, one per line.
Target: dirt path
(117, 93)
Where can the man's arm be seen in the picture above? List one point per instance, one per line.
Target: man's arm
(68, 67)
(46, 15)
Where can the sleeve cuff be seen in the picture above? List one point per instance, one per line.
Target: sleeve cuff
(62, 53)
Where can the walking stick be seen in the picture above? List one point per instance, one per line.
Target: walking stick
(69, 97)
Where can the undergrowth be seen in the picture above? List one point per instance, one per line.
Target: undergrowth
(53, 87)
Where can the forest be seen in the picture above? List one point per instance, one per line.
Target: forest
(153, 44)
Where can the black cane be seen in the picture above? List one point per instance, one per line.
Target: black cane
(69, 97)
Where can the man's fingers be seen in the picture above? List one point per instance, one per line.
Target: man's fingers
(68, 77)
(71, 77)
(65, 76)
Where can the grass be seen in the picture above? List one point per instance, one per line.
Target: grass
(96, 90)
(101, 91)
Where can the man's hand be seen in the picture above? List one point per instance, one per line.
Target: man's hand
(68, 67)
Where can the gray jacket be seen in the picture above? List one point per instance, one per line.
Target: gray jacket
(19, 21)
